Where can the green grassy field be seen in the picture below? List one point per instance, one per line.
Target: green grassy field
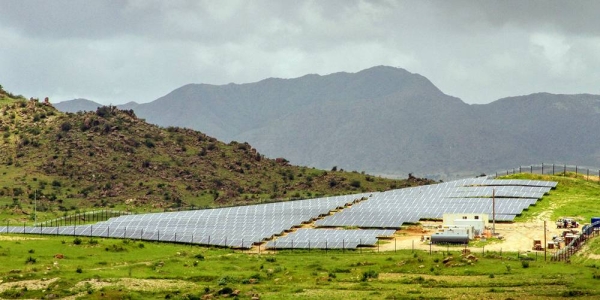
(111, 268)
(575, 196)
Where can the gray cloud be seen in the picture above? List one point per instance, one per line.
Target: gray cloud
(139, 50)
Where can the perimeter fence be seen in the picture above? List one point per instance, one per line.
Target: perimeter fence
(551, 169)
(587, 232)
(82, 218)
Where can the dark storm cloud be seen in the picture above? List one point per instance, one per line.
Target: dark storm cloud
(138, 50)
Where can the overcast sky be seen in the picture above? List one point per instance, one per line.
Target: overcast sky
(139, 50)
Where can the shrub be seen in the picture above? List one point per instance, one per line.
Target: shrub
(79, 270)
(77, 241)
(31, 260)
(366, 275)
(66, 126)
(225, 290)
(525, 264)
(199, 256)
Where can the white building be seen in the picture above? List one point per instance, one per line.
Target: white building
(477, 221)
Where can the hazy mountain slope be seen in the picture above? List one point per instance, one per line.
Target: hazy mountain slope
(76, 105)
(556, 128)
(386, 120)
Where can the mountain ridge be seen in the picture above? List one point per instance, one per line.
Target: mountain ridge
(386, 120)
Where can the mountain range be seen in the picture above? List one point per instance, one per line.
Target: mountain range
(382, 120)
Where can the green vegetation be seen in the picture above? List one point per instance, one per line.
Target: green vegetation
(576, 196)
(117, 268)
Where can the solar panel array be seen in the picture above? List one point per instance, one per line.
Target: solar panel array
(305, 238)
(246, 225)
(393, 208)
(239, 226)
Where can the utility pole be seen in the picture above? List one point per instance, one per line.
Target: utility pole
(545, 243)
(493, 212)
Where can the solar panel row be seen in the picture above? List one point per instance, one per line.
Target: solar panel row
(328, 238)
(393, 208)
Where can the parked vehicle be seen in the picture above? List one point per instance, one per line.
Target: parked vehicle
(567, 223)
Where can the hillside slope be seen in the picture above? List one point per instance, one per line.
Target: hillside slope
(109, 158)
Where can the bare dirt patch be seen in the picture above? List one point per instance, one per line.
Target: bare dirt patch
(18, 238)
(29, 284)
(133, 284)
(515, 236)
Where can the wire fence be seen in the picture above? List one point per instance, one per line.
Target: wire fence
(82, 218)
(551, 169)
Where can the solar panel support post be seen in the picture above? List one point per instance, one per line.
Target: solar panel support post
(343, 246)
(588, 175)
(108, 231)
(565, 169)
(175, 237)
(542, 168)
(141, 233)
(91, 230)
(125, 233)
(576, 171)
(531, 169)
(552, 169)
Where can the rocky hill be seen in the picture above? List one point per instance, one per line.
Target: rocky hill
(111, 158)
